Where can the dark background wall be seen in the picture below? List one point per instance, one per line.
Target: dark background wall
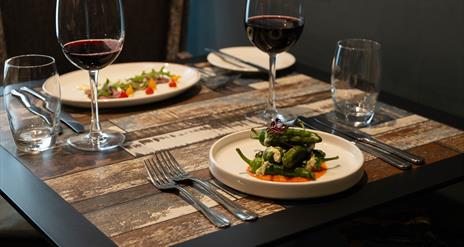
(423, 41)
(29, 27)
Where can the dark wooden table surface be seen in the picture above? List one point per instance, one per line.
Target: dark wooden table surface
(78, 198)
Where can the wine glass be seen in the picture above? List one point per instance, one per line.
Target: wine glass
(91, 35)
(273, 26)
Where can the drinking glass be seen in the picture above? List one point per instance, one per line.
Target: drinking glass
(33, 115)
(91, 35)
(355, 80)
(273, 26)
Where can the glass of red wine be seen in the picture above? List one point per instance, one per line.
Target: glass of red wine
(91, 35)
(273, 26)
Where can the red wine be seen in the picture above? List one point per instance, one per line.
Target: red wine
(92, 54)
(274, 33)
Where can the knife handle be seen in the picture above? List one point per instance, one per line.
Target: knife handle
(396, 151)
(392, 160)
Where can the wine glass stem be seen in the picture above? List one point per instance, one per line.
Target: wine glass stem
(271, 105)
(95, 128)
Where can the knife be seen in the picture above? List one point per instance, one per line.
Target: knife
(362, 137)
(225, 56)
(66, 118)
(381, 154)
(32, 108)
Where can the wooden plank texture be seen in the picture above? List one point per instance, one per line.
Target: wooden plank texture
(111, 190)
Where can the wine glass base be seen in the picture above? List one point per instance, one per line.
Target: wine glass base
(104, 141)
(265, 117)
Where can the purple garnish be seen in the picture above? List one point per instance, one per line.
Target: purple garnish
(277, 127)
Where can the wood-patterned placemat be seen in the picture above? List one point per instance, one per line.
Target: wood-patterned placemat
(110, 189)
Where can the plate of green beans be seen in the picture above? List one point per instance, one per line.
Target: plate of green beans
(286, 162)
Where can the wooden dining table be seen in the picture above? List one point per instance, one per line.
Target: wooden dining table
(78, 198)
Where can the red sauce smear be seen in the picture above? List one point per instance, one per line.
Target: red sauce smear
(280, 178)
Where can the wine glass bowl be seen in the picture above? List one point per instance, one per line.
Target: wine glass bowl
(91, 35)
(273, 26)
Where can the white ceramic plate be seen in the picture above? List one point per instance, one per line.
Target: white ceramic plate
(253, 55)
(71, 94)
(227, 166)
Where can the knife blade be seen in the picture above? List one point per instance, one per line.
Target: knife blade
(224, 56)
(72, 123)
(381, 154)
(362, 137)
(65, 117)
(32, 108)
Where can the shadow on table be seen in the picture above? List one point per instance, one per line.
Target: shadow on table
(428, 219)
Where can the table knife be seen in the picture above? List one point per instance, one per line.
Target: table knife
(66, 118)
(236, 59)
(72, 123)
(381, 154)
(362, 137)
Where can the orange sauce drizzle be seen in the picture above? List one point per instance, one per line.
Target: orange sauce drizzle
(280, 178)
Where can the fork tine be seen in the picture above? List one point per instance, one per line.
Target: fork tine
(156, 169)
(160, 165)
(150, 172)
(169, 165)
(176, 164)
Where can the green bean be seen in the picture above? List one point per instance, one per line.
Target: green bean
(275, 169)
(294, 156)
(254, 164)
(273, 154)
(297, 172)
(304, 173)
(290, 137)
(317, 159)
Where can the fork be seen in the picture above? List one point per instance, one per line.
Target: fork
(178, 175)
(161, 181)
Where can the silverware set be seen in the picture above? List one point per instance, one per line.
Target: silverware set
(392, 155)
(165, 173)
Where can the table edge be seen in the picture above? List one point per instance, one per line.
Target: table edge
(325, 211)
(44, 208)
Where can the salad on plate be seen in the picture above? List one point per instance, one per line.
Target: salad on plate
(289, 154)
(146, 81)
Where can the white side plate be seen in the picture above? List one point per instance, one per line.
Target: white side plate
(71, 94)
(227, 166)
(253, 55)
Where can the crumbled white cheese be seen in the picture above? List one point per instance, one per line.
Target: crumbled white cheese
(276, 155)
(262, 169)
(311, 163)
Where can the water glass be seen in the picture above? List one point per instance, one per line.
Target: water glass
(355, 80)
(33, 113)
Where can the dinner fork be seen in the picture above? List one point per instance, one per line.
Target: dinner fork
(160, 180)
(178, 174)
